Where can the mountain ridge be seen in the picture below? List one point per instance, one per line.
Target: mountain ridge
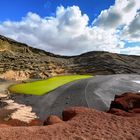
(53, 54)
(38, 63)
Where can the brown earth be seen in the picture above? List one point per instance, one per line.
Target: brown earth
(82, 124)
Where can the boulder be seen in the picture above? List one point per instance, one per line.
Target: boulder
(70, 113)
(127, 104)
(52, 119)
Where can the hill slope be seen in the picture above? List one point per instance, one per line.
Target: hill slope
(34, 63)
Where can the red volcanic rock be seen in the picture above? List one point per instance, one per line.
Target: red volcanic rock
(52, 119)
(87, 124)
(120, 112)
(15, 122)
(127, 104)
(36, 122)
(68, 114)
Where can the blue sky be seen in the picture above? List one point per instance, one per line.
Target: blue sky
(16, 9)
(72, 27)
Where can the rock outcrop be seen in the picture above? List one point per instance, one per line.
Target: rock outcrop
(52, 119)
(15, 75)
(19, 59)
(34, 63)
(127, 104)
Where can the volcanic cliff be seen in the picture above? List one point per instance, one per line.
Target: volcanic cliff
(21, 61)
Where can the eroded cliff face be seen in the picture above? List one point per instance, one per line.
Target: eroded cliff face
(34, 63)
(15, 75)
(19, 61)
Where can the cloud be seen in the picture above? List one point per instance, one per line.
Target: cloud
(69, 33)
(121, 13)
(132, 31)
(131, 50)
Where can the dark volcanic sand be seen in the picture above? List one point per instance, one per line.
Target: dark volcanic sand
(96, 92)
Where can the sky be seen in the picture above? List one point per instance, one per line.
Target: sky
(16, 9)
(72, 27)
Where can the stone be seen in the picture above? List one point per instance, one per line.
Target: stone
(127, 104)
(70, 113)
(52, 119)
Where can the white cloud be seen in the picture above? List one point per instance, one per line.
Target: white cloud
(132, 31)
(131, 50)
(122, 13)
(68, 32)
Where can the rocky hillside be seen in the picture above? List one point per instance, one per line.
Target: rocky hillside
(20, 60)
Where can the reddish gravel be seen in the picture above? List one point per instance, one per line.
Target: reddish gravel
(83, 124)
(15, 122)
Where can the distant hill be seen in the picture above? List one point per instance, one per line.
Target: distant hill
(36, 63)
